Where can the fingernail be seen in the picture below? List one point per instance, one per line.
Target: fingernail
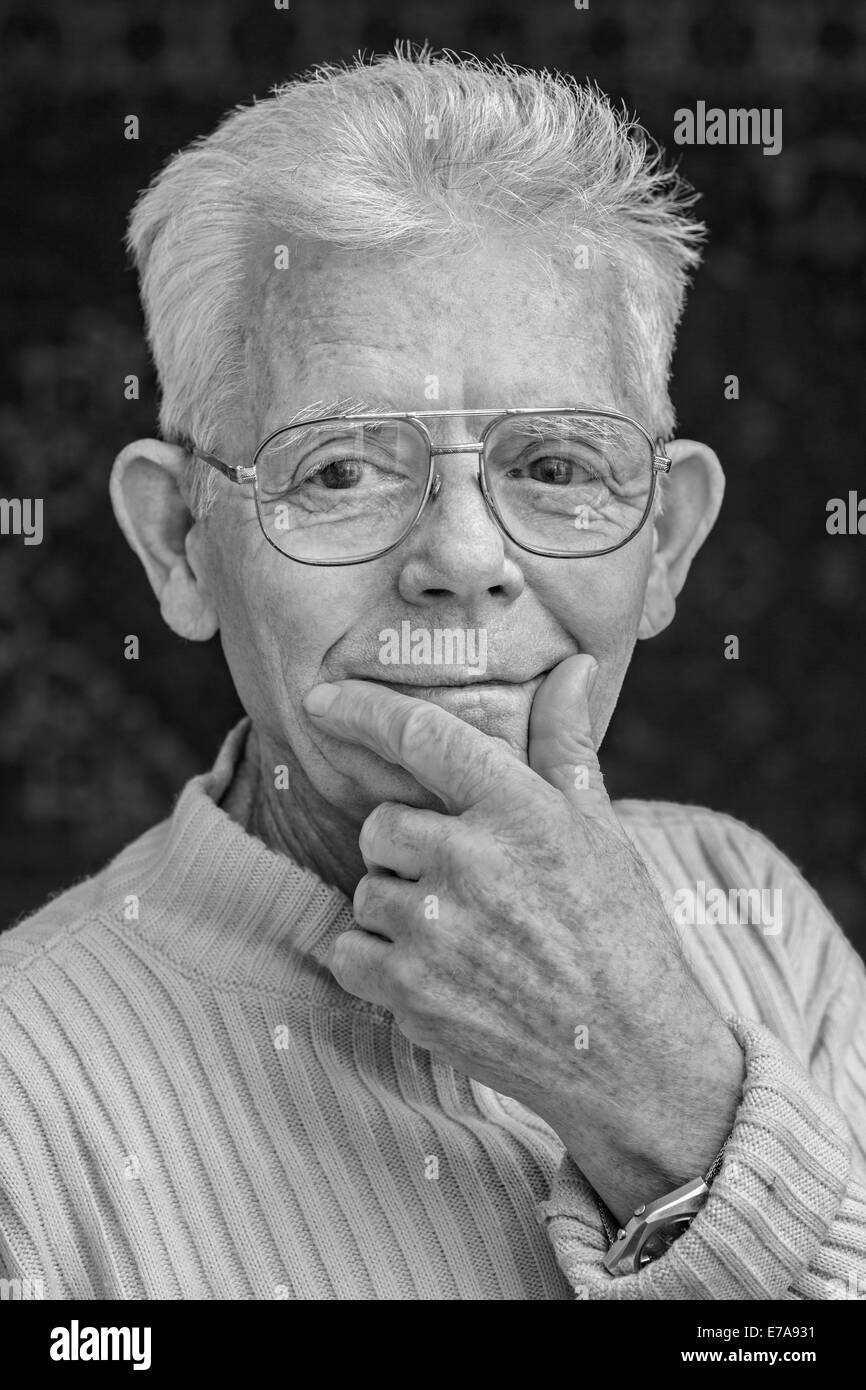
(591, 678)
(320, 698)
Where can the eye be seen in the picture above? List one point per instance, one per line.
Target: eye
(550, 468)
(340, 473)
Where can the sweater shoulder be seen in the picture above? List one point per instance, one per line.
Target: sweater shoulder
(688, 842)
(684, 835)
(684, 844)
(67, 913)
(63, 913)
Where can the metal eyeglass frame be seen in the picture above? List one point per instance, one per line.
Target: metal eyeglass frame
(660, 463)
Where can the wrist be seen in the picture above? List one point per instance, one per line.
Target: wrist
(641, 1151)
(691, 1138)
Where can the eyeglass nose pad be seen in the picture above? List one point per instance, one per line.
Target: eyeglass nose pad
(437, 486)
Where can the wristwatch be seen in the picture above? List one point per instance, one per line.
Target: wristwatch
(656, 1225)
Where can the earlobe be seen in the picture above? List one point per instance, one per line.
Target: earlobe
(693, 493)
(659, 605)
(151, 512)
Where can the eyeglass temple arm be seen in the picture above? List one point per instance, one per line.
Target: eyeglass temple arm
(234, 474)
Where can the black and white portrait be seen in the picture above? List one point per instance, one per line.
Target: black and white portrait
(432, 584)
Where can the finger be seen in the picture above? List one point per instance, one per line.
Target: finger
(561, 743)
(383, 904)
(447, 756)
(400, 839)
(358, 962)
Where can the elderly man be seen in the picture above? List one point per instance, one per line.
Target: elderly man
(396, 1004)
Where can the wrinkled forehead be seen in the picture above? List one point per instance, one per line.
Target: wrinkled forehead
(505, 323)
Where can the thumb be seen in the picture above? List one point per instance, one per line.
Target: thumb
(561, 745)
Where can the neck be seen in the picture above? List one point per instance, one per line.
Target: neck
(296, 821)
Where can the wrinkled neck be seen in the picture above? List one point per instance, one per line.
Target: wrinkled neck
(289, 816)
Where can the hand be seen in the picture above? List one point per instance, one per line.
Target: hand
(519, 937)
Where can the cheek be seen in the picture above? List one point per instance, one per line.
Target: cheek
(599, 602)
(279, 621)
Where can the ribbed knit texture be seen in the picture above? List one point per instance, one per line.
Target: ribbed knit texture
(191, 1107)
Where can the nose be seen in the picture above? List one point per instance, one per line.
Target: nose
(456, 549)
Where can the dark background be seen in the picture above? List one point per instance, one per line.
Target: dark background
(93, 748)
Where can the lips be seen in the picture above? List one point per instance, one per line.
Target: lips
(494, 700)
(490, 684)
(498, 707)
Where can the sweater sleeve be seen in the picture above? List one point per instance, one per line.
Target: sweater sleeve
(786, 1214)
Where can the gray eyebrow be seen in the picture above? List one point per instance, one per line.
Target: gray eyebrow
(322, 410)
(345, 405)
(592, 428)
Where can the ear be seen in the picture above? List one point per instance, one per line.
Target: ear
(157, 523)
(693, 492)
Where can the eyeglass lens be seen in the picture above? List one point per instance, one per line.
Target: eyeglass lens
(340, 489)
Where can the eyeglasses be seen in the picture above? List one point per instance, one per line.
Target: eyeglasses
(567, 483)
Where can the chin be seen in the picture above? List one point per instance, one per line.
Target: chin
(369, 780)
(358, 780)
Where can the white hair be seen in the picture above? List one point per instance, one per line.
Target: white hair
(413, 152)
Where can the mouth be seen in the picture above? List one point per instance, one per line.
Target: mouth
(465, 691)
(498, 705)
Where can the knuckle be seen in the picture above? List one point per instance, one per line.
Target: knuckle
(363, 901)
(400, 976)
(460, 845)
(372, 829)
(411, 1002)
(404, 984)
(340, 954)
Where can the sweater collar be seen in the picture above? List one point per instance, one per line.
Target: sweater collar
(219, 903)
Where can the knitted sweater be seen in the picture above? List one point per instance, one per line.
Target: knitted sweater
(191, 1107)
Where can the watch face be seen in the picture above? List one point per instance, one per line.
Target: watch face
(663, 1237)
